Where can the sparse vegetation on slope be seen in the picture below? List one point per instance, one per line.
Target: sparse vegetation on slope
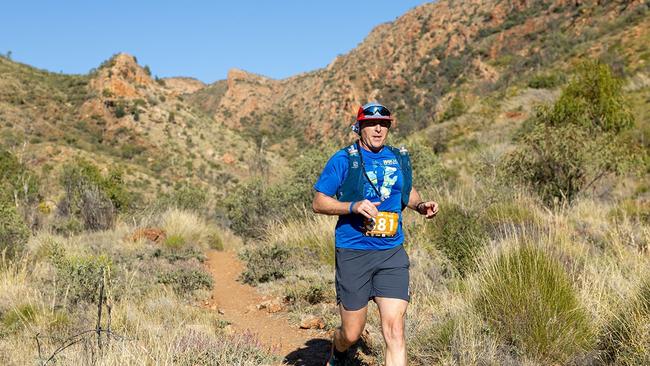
(503, 275)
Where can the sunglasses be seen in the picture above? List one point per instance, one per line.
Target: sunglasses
(374, 122)
(374, 110)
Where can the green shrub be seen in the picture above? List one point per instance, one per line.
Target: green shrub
(186, 197)
(67, 226)
(456, 108)
(574, 143)
(79, 277)
(215, 241)
(265, 263)
(528, 301)
(626, 337)
(427, 169)
(120, 110)
(459, 234)
(16, 180)
(593, 99)
(255, 204)
(13, 231)
(545, 81)
(310, 290)
(184, 281)
(247, 209)
(92, 197)
(175, 241)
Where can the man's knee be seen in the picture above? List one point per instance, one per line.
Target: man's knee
(393, 331)
(350, 335)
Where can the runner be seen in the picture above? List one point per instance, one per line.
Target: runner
(367, 185)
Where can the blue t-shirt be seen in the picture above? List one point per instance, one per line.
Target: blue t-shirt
(384, 171)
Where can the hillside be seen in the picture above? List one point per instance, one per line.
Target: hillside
(527, 121)
(418, 62)
(119, 115)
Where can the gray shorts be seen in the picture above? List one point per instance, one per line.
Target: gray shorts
(362, 275)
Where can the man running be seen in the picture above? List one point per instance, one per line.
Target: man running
(367, 185)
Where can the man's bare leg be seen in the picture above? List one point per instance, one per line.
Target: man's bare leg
(352, 324)
(392, 312)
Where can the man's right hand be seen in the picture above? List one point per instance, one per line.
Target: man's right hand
(366, 208)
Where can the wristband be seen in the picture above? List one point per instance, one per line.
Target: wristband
(351, 204)
(417, 207)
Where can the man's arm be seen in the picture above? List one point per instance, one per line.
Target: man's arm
(427, 208)
(324, 204)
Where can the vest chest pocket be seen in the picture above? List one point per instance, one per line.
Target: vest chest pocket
(384, 225)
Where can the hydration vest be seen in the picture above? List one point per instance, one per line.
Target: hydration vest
(353, 184)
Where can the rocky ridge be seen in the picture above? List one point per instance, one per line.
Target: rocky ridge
(418, 62)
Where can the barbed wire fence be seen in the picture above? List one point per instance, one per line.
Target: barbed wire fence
(95, 340)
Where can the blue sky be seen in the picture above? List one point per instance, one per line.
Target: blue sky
(202, 39)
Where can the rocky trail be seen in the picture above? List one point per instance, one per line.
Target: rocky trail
(248, 310)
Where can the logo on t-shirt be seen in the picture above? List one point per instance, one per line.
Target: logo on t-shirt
(384, 178)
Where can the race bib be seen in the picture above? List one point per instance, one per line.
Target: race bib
(384, 225)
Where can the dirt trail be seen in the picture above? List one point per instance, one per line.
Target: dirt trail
(238, 303)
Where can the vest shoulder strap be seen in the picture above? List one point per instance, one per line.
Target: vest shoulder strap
(349, 190)
(404, 161)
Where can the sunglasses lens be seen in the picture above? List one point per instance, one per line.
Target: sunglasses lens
(374, 110)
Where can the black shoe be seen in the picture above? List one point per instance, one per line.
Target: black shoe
(336, 358)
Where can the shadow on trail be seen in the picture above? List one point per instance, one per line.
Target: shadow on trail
(316, 351)
(313, 353)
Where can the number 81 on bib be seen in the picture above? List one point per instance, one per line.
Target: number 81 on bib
(384, 225)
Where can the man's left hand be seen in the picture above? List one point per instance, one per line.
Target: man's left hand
(429, 209)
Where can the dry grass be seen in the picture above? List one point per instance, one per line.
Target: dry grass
(153, 323)
(591, 259)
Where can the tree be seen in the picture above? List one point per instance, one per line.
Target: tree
(577, 141)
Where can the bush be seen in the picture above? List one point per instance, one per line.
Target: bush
(184, 281)
(186, 197)
(545, 81)
(255, 204)
(459, 234)
(185, 229)
(92, 197)
(215, 241)
(312, 291)
(626, 339)
(16, 180)
(198, 348)
(265, 263)
(528, 301)
(456, 108)
(427, 170)
(120, 110)
(13, 231)
(80, 277)
(574, 143)
(593, 99)
(247, 209)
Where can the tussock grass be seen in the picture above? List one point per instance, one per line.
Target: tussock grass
(528, 300)
(184, 228)
(626, 337)
(310, 240)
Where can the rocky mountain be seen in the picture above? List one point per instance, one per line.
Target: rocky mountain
(419, 62)
(118, 115)
(433, 59)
